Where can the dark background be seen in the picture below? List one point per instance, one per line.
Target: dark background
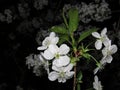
(18, 40)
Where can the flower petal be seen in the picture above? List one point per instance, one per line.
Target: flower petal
(98, 44)
(48, 55)
(52, 34)
(96, 70)
(96, 35)
(42, 48)
(113, 49)
(53, 76)
(107, 42)
(53, 49)
(56, 68)
(103, 32)
(64, 49)
(104, 51)
(69, 74)
(62, 79)
(54, 40)
(68, 68)
(62, 61)
(109, 59)
(46, 41)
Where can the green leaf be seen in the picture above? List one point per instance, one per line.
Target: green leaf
(73, 19)
(86, 34)
(63, 38)
(59, 29)
(87, 56)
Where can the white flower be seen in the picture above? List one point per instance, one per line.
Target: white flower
(107, 52)
(52, 39)
(58, 54)
(102, 38)
(97, 84)
(61, 73)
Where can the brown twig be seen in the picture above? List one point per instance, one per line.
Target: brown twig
(74, 82)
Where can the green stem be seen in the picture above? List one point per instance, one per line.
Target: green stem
(78, 86)
(94, 59)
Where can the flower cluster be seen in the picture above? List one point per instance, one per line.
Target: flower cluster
(61, 66)
(107, 51)
(38, 63)
(93, 11)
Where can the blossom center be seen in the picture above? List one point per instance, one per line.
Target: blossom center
(62, 74)
(57, 55)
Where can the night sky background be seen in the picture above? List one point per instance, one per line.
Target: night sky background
(18, 39)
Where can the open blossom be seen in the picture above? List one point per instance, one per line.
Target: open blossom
(59, 54)
(51, 39)
(97, 84)
(101, 38)
(61, 73)
(107, 52)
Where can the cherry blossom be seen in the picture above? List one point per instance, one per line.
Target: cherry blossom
(51, 39)
(61, 73)
(107, 52)
(59, 54)
(101, 38)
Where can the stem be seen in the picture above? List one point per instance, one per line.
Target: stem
(74, 82)
(94, 59)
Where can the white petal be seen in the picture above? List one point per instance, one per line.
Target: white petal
(53, 49)
(95, 83)
(62, 79)
(96, 78)
(54, 40)
(70, 74)
(56, 68)
(103, 32)
(104, 51)
(103, 61)
(53, 76)
(42, 48)
(68, 68)
(113, 49)
(96, 35)
(48, 55)
(109, 59)
(96, 70)
(98, 44)
(46, 41)
(107, 42)
(52, 34)
(64, 49)
(62, 61)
